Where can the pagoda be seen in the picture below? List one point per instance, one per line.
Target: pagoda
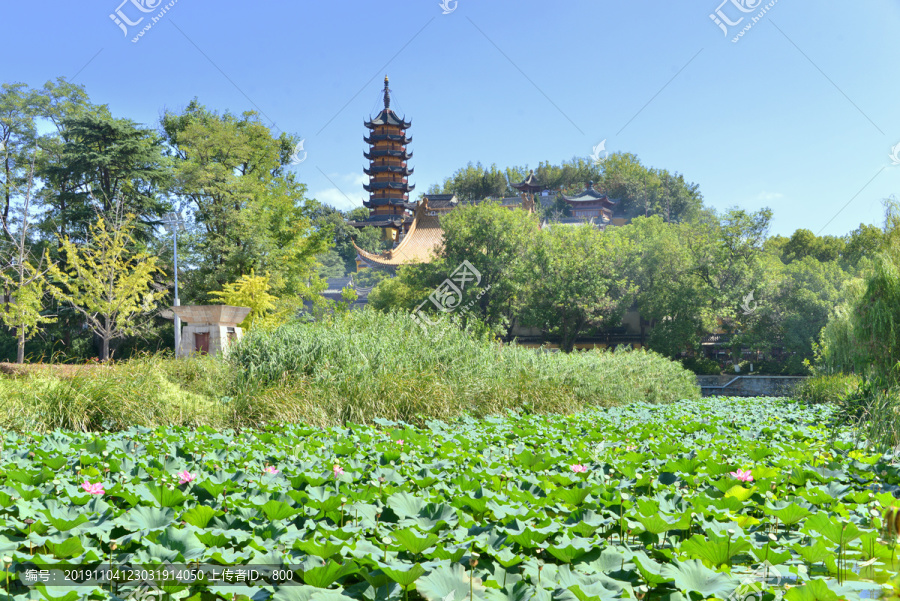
(388, 187)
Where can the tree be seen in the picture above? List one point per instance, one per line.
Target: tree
(369, 239)
(474, 182)
(497, 242)
(398, 293)
(803, 243)
(253, 291)
(864, 241)
(109, 285)
(331, 222)
(803, 294)
(646, 191)
(18, 137)
(248, 210)
(331, 265)
(98, 164)
(577, 283)
(23, 308)
(670, 295)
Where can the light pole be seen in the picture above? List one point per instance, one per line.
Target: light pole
(175, 223)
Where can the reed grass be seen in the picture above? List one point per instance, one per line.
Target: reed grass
(354, 368)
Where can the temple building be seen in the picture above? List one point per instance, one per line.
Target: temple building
(529, 185)
(593, 205)
(415, 228)
(418, 245)
(388, 187)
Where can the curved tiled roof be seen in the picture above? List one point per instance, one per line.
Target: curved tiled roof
(387, 117)
(589, 195)
(420, 244)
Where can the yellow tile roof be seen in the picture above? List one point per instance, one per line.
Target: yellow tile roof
(420, 244)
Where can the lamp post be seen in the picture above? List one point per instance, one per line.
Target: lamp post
(175, 223)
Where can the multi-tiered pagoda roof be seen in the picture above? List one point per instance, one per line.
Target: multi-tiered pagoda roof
(388, 172)
(388, 187)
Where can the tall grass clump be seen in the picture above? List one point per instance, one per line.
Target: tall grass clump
(103, 397)
(368, 364)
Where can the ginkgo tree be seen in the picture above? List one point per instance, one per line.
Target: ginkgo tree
(253, 291)
(23, 274)
(106, 282)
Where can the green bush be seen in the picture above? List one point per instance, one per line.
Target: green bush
(834, 388)
(702, 366)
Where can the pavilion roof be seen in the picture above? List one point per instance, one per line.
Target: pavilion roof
(529, 183)
(438, 202)
(589, 195)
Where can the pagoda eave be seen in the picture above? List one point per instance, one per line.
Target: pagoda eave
(404, 171)
(395, 154)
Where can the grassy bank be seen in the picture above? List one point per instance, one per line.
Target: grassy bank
(357, 368)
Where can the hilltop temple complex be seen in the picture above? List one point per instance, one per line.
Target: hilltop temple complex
(414, 228)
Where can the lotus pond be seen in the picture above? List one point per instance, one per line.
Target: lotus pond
(718, 498)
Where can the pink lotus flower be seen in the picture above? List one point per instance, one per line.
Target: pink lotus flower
(579, 469)
(400, 442)
(338, 470)
(94, 489)
(270, 469)
(743, 476)
(185, 477)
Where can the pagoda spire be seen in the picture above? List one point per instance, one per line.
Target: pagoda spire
(387, 94)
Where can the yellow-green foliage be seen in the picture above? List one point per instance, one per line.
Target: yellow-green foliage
(833, 388)
(253, 291)
(107, 283)
(27, 303)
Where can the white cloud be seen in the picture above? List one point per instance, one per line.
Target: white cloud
(346, 194)
(766, 196)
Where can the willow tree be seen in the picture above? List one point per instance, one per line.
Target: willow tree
(864, 334)
(106, 282)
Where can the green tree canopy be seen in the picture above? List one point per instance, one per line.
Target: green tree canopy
(577, 282)
(249, 212)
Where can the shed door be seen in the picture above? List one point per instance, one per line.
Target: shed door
(201, 342)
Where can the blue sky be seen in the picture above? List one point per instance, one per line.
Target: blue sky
(799, 114)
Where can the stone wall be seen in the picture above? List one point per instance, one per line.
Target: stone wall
(738, 385)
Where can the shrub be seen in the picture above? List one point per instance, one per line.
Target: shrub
(834, 388)
(702, 366)
(353, 368)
